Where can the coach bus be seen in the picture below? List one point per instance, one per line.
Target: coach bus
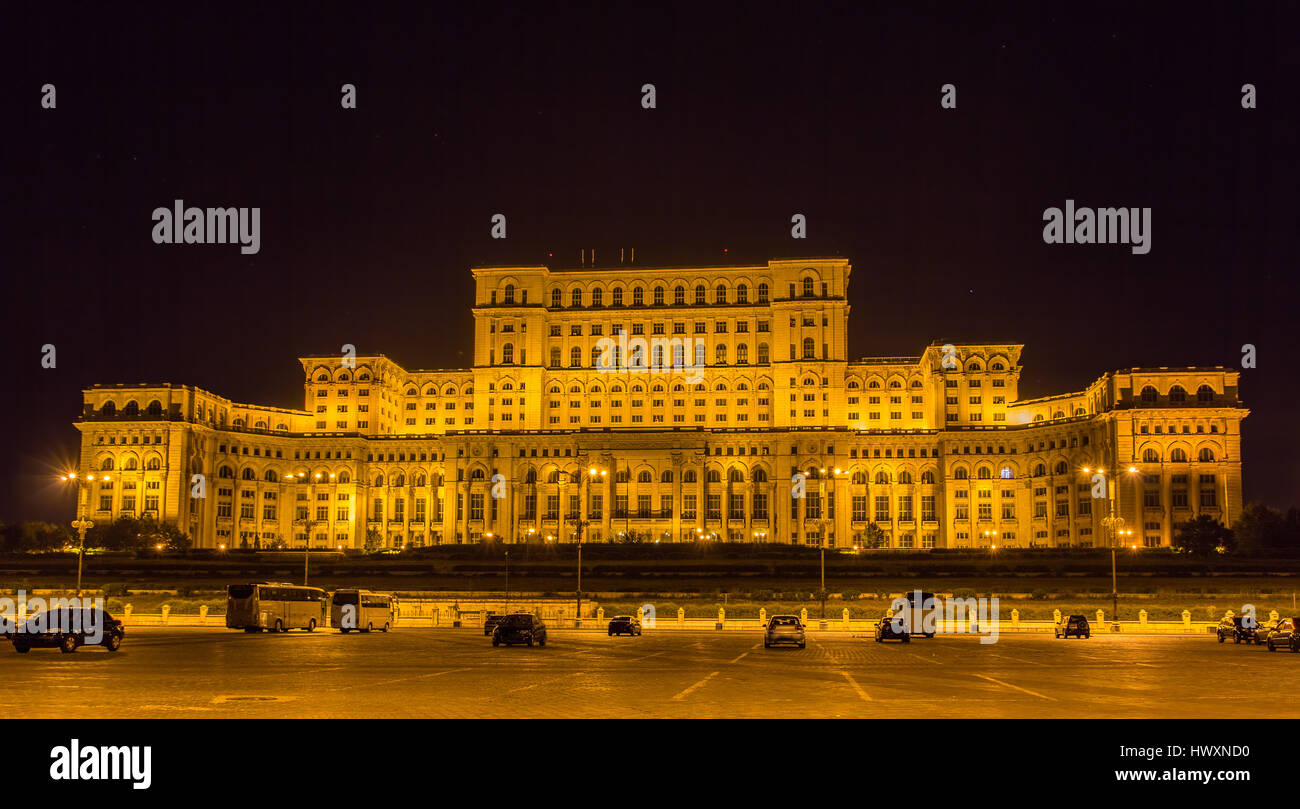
(275, 607)
(362, 610)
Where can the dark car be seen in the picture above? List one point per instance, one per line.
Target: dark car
(889, 629)
(1264, 631)
(67, 629)
(1284, 636)
(624, 625)
(1237, 629)
(521, 627)
(1076, 625)
(490, 623)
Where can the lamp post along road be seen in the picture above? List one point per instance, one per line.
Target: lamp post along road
(1118, 532)
(82, 523)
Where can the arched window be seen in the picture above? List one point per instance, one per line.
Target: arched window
(699, 294)
(400, 480)
(153, 464)
(598, 297)
(961, 474)
(247, 474)
(762, 293)
(679, 295)
(223, 472)
(508, 354)
(1040, 470)
(882, 478)
(1205, 393)
(132, 408)
(667, 476)
(345, 476)
(1178, 455)
(617, 296)
(808, 287)
(904, 477)
(557, 298)
(1206, 455)
(1006, 473)
(271, 476)
(508, 296)
(379, 480)
(644, 477)
(1150, 455)
(659, 296)
(688, 476)
(859, 478)
(1061, 467)
(554, 476)
(107, 466)
(575, 297)
(638, 296)
(742, 293)
(720, 293)
(530, 476)
(1177, 394)
(736, 476)
(713, 476)
(760, 475)
(154, 408)
(983, 473)
(927, 476)
(1148, 395)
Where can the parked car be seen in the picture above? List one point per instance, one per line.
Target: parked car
(519, 627)
(914, 611)
(1237, 629)
(1264, 631)
(624, 625)
(888, 629)
(491, 622)
(1076, 625)
(784, 629)
(67, 629)
(1284, 635)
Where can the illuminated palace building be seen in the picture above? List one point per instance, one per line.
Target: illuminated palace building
(673, 404)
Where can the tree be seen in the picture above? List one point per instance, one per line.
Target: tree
(374, 539)
(1259, 528)
(1204, 535)
(29, 537)
(874, 536)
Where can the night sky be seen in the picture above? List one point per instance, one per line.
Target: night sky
(372, 217)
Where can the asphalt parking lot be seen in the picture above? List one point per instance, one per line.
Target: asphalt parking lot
(210, 672)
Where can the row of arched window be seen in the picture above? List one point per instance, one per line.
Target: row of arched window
(658, 295)
(1177, 394)
(130, 464)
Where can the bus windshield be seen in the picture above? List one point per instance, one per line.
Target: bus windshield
(240, 590)
(347, 598)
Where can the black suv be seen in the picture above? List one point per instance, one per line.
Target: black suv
(887, 628)
(1076, 625)
(490, 623)
(67, 629)
(1236, 629)
(520, 627)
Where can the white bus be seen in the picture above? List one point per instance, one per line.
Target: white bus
(275, 607)
(362, 610)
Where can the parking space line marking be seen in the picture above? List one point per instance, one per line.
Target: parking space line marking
(401, 679)
(1016, 687)
(865, 696)
(687, 691)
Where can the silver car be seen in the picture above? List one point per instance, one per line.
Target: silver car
(784, 629)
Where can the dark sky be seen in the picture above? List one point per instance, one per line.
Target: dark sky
(372, 217)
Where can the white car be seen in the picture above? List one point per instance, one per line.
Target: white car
(784, 629)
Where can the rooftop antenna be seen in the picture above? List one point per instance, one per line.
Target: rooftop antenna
(620, 255)
(584, 257)
(593, 256)
(633, 255)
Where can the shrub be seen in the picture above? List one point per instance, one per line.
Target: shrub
(115, 589)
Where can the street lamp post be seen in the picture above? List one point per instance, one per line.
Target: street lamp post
(306, 522)
(824, 505)
(1118, 533)
(82, 523)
